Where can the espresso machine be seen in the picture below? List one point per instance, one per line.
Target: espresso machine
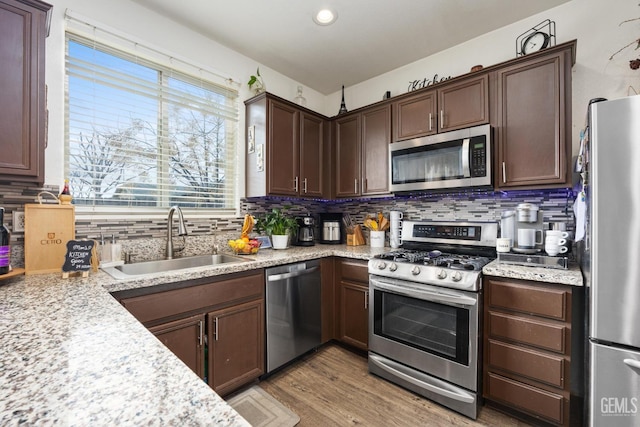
(305, 231)
(529, 229)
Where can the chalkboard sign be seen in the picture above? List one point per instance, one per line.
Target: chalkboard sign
(78, 257)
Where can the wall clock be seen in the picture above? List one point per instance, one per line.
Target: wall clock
(537, 38)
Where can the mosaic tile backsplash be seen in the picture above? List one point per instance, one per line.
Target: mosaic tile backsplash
(145, 238)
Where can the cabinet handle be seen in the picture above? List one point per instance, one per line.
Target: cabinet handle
(355, 186)
(304, 185)
(366, 300)
(430, 122)
(365, 185)
(200, 332)
(504, 173)
(295, 184)
(441, 119)
(215, 328)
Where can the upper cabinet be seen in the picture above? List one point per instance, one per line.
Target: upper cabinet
(23, 29)
(533, 123)
(286, 149)
(362, 152)
(452, 106)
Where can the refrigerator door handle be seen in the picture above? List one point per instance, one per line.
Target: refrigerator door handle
(635, 364)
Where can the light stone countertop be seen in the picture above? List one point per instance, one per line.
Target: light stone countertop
(572, 276)
(71, 355)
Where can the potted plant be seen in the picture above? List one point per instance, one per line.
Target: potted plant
(278, 226)
(256, 83)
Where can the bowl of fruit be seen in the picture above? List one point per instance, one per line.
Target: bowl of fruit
(245, 246)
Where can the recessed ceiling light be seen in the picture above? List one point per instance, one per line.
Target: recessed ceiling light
(325, 17)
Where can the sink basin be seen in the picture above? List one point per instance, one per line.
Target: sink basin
(150, 267)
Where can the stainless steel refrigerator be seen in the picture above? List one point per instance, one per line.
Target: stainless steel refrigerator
(611, 261)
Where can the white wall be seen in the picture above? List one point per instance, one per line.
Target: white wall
(594, 23)
(132, 19)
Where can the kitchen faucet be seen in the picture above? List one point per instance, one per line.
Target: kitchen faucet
(182, 229)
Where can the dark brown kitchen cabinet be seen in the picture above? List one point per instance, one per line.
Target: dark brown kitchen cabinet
(288, 151)
(236, 346)
(23, 29)
(533, 124)
(453, 105)
(352, 302)
(528, 351)
(185, 338)
(362, 152)
(228, 310)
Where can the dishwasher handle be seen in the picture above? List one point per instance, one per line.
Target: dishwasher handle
(292, 274)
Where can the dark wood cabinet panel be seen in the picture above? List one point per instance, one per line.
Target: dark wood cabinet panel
(415, 116)
(553, 337)
(236, 346)
(352, 302)
(347, 152)
(312, 158)
(535, 298)
(463, 104)
(376, 137)
(22, 89)
(282, 149)
(185, 338)
(533, 123)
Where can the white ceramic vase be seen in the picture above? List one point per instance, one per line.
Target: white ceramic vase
(279, 241)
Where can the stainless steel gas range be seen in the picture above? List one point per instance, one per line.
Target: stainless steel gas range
(425, 307)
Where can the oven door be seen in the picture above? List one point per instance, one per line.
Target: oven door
(429, 328)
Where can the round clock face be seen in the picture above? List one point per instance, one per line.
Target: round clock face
(535, 42)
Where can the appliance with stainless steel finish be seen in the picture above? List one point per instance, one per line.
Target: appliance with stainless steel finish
(609, 259)
(460, 158)
(425, 311)
(293, 311)
(304, 236)
(330, 228)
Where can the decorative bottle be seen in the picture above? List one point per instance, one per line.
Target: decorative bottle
(65, 195)
(5, 249)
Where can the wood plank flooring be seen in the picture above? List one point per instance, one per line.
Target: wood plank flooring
(332, 387)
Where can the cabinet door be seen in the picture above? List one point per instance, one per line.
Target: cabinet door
(184, 338)
(311, 155)
(354, 315)
(236, 345)
(347, 143)
(22, 89)
(415, 116)
(376, 137)
(283, 155)
(463, 104)
(532, 114)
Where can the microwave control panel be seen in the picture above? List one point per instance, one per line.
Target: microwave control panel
(478, 156)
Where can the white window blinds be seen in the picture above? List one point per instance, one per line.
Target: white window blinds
(141, 134)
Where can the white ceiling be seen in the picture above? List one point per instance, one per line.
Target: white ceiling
(369, 38)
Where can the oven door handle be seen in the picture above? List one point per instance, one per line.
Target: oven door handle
(427, 295)
(460, 396)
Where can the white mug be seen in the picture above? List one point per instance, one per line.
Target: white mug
(554, 250)
(394, 240)
(527, 238)
(503, 244)
(395, 215)
(552, 240)
(557, 233)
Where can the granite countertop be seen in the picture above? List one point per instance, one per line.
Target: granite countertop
(71, 355)
(572, 276)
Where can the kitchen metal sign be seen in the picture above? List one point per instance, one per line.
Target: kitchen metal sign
(421, 84)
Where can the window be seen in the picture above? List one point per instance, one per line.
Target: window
(140, 134)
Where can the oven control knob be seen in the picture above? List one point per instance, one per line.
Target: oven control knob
(457, 276)
(382, 265)
(393, 266)
(415, 270)
(441, 274)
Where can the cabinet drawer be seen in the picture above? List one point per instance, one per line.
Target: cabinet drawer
(542, 300)
(170, 303)
(538, 402)
(532, 364)
(547, 336)
(354, 271)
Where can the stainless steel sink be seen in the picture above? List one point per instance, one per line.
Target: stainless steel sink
(150, 267)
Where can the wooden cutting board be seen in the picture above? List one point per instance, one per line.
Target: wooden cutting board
(47, 229)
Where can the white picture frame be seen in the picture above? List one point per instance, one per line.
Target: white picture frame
(251, 139)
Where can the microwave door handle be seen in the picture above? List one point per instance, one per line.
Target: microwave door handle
(424, 294)
(465, 158)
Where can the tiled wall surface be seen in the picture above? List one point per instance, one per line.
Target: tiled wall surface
(146, 238)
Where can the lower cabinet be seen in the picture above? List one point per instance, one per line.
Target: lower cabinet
(528, 354)
(221, 316)
(352, 302)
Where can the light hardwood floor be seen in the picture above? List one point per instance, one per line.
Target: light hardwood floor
(332, 387)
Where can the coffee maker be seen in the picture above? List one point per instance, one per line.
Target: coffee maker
(529, 229)
(305, 231)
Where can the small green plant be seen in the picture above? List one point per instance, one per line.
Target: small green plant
(257, 81)
(276, 222)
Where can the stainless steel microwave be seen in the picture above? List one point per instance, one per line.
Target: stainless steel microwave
(461, 158)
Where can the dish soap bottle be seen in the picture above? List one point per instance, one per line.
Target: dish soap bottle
(5, 249)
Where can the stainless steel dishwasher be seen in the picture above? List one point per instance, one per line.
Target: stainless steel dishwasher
(293, 311)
